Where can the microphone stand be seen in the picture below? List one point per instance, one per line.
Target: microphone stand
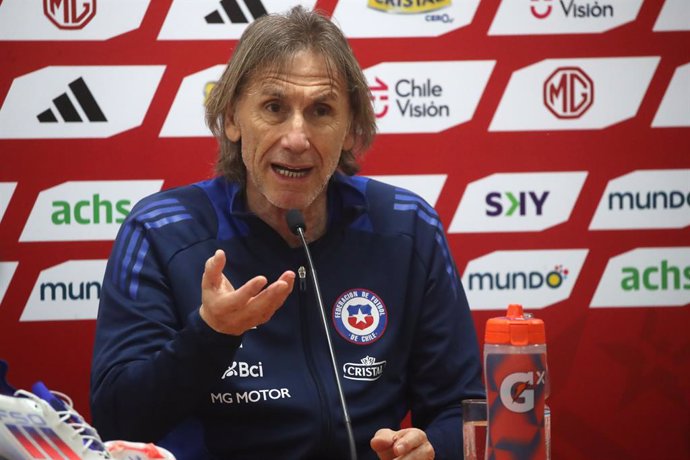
(298, 229)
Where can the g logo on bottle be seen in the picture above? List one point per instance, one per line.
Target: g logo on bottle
(517, 392)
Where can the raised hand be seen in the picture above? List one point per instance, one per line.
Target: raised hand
(234, 311)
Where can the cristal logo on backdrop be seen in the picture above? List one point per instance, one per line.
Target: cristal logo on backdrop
(559, 94)
(539, 277)
(68, 291)
(69, 19)
(562, 16)
(403, 18)
(645, 277)
(78, 102)
(645, 199)
(517, 202)
(218, 20)
(84, 210)
(426, 97)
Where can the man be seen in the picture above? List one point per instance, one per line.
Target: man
(189, 326)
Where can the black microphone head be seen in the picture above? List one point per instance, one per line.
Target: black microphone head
(295, 221)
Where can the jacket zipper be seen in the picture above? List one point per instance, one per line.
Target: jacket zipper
(325, 409)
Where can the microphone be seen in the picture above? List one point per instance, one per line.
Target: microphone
(296, 224)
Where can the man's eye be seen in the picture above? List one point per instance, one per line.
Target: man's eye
(273, 107)
(322, 110)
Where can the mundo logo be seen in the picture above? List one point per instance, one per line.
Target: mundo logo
(538, 278)
(68, 291)
(426, 97)
(84, 210)
(517, 202)
(645, 277)
(645, 199)
(535, 17)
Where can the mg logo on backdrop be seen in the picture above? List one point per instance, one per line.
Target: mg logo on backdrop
(84, 210)
(69, 19)
(68, 291)
(568, 92)
(385, 18)
(645, 277)
(539, 278)
(517, 202)
(69, 14)
(218, 20)
(645, 200)
(558, 94)
(426, 97)
(674, 110)
(78, 102)
(534, 17)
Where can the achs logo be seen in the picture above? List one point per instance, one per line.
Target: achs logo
(568, 92)
(360, 317)
(234, 13)
(368, 369)
(646, 277)
(69, 14)
(68, 111)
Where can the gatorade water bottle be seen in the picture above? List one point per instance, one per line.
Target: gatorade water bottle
(516, 381)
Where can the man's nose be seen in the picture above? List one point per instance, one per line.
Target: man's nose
(296, 138)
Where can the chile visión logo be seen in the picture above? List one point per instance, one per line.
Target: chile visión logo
(360, 316)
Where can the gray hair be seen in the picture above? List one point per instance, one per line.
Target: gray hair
(268, 44)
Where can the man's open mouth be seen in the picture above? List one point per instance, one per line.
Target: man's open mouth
(292, 173)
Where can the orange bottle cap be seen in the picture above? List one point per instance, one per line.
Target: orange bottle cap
(515, 329)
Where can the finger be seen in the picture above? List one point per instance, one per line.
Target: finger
(382, 444)
(409, 440)
(249, 290)
(273, 297)
(213, 270)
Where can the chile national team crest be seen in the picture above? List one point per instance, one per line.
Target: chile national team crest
(360, 316)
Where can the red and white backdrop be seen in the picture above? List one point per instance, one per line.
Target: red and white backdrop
(552, 136)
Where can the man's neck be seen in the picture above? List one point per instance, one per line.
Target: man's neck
(315, 218)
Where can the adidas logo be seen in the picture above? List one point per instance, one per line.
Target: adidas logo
(68, 111)
(234, 12)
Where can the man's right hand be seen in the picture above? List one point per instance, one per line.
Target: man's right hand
(233, 311)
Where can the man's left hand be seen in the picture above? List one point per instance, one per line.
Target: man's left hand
(406, 444)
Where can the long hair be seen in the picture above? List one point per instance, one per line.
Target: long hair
(268, 44)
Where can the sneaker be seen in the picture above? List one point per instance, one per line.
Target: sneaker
(43, 424)
(125, 450)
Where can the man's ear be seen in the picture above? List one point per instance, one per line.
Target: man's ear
(232, 129)
(349, 141)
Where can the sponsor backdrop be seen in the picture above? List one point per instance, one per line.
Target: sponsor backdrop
(552, 136)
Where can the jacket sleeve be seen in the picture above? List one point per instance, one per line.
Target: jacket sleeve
(150, 364)
(445, 364)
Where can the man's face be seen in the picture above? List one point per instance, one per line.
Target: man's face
(293, 127)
